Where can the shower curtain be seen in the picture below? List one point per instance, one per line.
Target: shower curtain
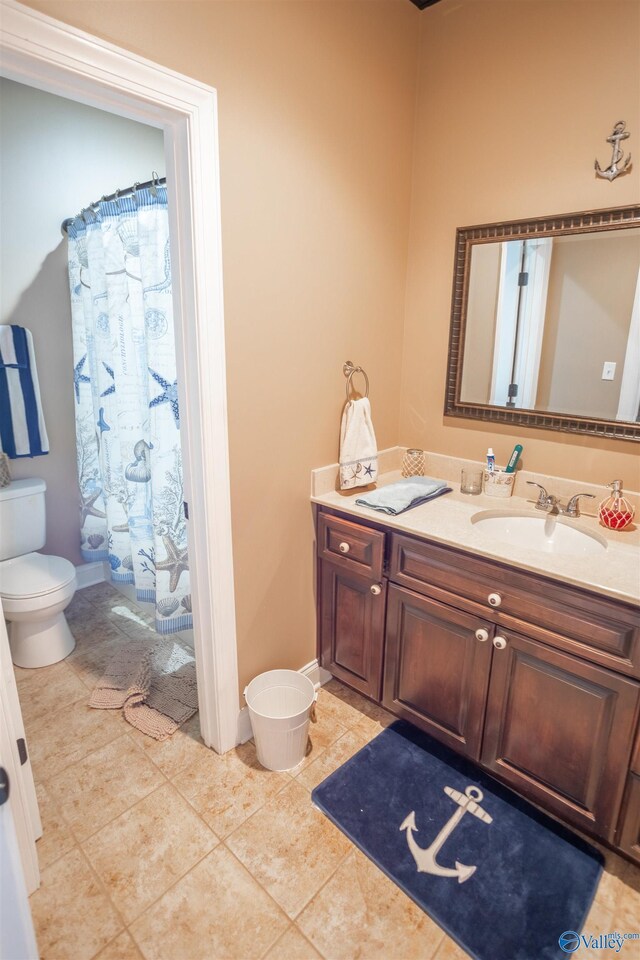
(126, 401)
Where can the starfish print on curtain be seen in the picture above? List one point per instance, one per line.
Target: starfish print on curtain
(80, 377)
(169, 395)
(175, 563)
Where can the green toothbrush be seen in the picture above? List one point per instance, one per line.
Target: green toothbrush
(515, 456)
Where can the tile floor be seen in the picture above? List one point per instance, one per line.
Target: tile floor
(170, 852)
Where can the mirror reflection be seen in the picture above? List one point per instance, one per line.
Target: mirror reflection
(553, 325)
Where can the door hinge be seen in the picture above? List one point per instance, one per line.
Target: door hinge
(186, 509)
(4, 786)
(523, 279)
(22, 751)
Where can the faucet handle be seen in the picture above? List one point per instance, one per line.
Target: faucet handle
(572, 509)
(545, 501)
(543, 496)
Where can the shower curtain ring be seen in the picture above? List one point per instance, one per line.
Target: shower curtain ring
(155, 180)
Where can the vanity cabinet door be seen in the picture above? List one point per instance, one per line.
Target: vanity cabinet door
(629, 834)
(437, 668)
(352, 611)
(560, 730)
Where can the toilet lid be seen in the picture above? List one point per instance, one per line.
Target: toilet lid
(34, 575)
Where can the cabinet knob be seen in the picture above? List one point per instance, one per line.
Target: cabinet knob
(499, 643)
(482, 634)
(376, 589)
(494, 599)
(344, 547)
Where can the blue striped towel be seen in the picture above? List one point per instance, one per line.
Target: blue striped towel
(22, 429)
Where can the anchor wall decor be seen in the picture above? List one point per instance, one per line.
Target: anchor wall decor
(614, 170)
(425, 857)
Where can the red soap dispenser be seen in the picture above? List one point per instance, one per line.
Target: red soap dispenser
(616, 512)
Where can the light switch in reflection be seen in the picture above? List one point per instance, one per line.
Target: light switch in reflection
(608, 370)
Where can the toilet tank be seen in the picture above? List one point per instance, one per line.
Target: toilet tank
(22, 517)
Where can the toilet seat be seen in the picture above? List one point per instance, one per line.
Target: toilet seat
(35, 576)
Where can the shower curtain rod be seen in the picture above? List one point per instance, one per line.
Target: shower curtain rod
(118, 195)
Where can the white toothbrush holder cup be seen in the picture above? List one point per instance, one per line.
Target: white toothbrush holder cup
(498, 483)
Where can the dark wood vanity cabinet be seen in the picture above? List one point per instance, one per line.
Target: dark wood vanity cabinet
(534, 680)
(352, 595)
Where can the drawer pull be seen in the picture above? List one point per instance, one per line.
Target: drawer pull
(344, 547)
(499, 643)
(376, 589)
(482, 634)
(494, 599)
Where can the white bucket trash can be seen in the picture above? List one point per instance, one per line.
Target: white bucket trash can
(280, 703)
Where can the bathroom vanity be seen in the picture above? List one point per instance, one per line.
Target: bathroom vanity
(534, 678)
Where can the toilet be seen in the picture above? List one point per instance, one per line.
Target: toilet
(35, 589)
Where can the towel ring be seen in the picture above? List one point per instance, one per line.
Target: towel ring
(349, 369)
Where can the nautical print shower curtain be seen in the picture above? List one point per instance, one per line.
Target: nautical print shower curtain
(126, 401)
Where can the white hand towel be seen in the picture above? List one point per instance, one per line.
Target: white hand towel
(358, 450)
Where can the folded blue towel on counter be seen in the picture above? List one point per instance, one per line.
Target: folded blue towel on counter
(401, 496)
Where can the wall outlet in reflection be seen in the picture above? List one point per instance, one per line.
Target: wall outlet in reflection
(608, 370)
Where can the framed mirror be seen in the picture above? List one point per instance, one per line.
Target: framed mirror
(545, 323)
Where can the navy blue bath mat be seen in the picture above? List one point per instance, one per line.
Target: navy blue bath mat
(501, 878)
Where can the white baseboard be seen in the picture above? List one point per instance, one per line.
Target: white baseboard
(88, 574)
(318, 676)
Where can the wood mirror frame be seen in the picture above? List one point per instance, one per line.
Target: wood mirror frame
(572, 223)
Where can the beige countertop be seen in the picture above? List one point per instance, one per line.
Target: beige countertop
(614, 572)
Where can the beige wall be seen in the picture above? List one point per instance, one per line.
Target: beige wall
(515, 102)
(592, 286)
(316, 110)
(56, 156)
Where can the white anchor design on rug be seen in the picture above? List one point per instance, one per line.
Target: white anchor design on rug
(425, 858)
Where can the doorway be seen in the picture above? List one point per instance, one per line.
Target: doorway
(43, 53)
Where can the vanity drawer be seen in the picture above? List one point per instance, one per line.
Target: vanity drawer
(602, 630)
(352, 546)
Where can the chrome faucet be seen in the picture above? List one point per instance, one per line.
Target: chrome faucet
(550, 503)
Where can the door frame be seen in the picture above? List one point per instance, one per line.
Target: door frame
(526, 313)
(24, 803)
(59, 59)
(629, 402)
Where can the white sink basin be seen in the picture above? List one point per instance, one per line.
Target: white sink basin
(548, 534)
